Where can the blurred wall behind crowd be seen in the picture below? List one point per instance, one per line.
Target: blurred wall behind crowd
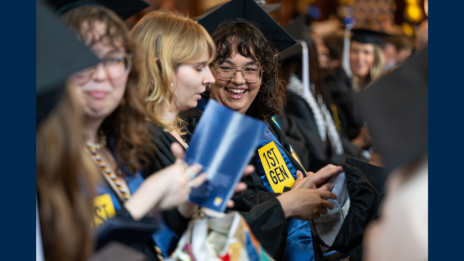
(391, 16)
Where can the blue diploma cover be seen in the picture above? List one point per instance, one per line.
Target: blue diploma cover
(223, 143)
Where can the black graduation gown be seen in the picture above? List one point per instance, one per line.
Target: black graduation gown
(365, 184)
(259, 207)
(366, 188)
(163, 158)
(266, 220)
(341, 95)
(298, 115)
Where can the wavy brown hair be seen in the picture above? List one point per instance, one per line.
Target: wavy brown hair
(126, 126)
(249, 41)
(65, 187)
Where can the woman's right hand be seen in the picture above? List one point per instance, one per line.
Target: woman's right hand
(164, 189)
(179, 184)
(306, 204)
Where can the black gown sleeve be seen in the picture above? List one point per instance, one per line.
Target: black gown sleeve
(163, 158)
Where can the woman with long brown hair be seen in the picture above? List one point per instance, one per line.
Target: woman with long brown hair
(114, 128)
(64, 201)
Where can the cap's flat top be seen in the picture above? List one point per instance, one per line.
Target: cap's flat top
(251, 11)
(124, 8)
(367, 36)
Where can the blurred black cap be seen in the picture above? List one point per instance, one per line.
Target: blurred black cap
(124, 8)
(251, 11)
(59, 54)
(367, 36)
(268, 8)
(395, 108)
(299, 31)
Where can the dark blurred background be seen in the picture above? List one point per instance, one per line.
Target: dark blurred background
(392, 16)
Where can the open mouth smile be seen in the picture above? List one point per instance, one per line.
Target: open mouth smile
(235, 93)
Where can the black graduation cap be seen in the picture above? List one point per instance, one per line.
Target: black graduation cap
(395, 108)
(124, 8)
(299, 31)
(268, 8)
(368, 36)
(251, 11)
(59, 54)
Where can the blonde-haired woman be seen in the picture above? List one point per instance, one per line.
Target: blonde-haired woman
(176, 53)
(367, 60)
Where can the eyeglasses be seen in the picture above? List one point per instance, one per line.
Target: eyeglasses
(251, 74)
(115, 65)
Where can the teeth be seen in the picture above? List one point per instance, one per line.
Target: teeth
(236, 90)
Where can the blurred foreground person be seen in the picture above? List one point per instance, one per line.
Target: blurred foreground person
(400, 133)
(65, 176)
(367, 60)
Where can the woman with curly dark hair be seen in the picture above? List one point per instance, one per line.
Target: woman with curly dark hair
(247, 80)
(260, 91)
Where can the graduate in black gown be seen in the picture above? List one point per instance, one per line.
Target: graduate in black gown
(248, 81)
(173, 77)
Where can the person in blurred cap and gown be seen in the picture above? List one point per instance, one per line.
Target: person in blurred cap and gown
(400, 133)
